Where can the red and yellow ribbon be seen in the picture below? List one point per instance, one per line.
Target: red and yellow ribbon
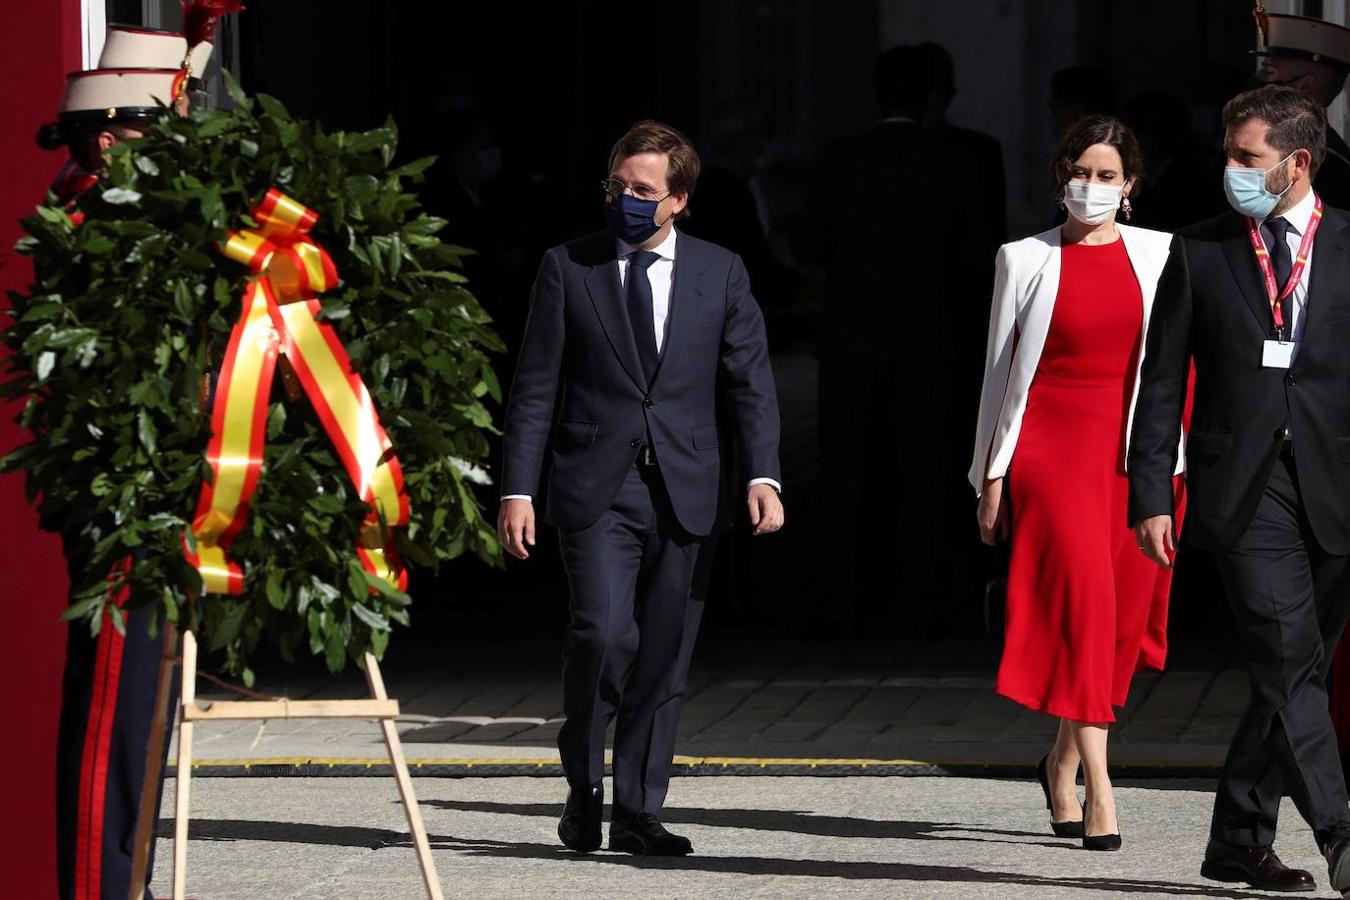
(280, 316)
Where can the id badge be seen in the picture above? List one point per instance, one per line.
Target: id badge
(1277, 354)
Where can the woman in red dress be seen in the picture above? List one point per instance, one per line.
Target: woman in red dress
(1085, 609)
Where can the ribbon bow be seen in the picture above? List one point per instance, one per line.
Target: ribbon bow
(279, 315)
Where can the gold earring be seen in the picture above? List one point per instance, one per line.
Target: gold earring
(1125, 205)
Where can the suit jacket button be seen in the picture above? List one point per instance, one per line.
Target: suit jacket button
(648, 403)
(635, 443)
(1290, 380)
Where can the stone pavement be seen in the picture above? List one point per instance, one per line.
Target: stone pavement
(316, 838)
(930, 705)
(862, 712)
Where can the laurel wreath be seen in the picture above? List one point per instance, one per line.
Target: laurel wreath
(130, 312)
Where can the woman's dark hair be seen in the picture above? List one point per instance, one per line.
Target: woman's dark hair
(1090, 131)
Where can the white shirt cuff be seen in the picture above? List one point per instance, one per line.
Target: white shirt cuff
(517, 497)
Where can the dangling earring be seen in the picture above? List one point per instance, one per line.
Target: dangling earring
(1125, 205)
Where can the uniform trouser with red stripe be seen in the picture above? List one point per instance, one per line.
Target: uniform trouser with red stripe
(107, 703)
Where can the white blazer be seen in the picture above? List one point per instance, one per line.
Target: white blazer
(1026, 283)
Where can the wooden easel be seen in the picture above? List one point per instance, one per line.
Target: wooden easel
(191, 712)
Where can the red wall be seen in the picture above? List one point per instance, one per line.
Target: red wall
(39, 43)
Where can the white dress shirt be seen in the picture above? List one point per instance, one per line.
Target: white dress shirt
(659, 274)
(1299, 216)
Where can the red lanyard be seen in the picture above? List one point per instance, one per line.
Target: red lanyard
(1273, 293)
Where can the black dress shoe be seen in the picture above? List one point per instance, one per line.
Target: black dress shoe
(1256, 866)
(579, 827)
(1338, 865)
(1061, 829)
(644, 835)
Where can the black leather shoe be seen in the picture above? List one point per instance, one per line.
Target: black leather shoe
(579, 827)
(1256, 866)
(1338, 865)
(644, 835)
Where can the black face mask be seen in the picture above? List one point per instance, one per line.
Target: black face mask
(632, 220)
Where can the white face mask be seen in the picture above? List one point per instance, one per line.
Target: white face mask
(1091, 203)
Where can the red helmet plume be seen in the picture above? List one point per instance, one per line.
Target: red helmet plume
(199, 17)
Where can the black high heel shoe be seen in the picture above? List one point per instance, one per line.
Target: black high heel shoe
(1061, 829)
(1099, 842)
(1105, 842)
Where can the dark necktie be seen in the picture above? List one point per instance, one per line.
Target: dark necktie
(1275, 233)
(640, 312)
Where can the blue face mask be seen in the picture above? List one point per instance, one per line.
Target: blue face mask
(631, 220)
(1247, 192)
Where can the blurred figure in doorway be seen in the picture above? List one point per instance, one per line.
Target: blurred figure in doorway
(901, 234)
(1178, 189)
(1080, 91)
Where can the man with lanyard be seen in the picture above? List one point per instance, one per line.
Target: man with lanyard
(1312, 57)
(110, 681)
(1259, 299)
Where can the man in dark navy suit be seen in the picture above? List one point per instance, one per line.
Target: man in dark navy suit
(633, 335)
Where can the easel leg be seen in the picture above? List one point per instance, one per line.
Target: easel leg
(184, 777)
(154, 762)
(405, 788)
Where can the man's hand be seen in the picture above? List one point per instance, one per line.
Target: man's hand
(992, 513)
(766, 509)
(515, 527)
(1156, 539)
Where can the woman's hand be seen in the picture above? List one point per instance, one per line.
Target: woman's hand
(993, 513)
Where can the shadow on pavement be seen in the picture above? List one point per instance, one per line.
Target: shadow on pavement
(376, 838)
(782, 820)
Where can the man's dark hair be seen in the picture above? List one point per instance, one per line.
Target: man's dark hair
(1086, 88)
(1296, 122)
(1090, 131)
(904, 80)
(80, 133)
(650, 136)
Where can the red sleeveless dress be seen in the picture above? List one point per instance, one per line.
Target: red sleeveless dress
(1085, 608)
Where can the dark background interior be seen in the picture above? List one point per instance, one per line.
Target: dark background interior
(554, 84)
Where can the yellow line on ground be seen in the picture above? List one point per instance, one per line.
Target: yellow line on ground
(724, 761)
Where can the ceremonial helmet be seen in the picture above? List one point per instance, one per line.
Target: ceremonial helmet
(1301, 37)
(141, 71)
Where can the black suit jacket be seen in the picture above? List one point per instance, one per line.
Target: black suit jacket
(988, 175)
(580, 406)
(1211, 306)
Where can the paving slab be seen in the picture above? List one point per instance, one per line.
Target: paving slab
(754, 837)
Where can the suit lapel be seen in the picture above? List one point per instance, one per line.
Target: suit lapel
(1242, 260)
(1327, 263)
(684, 298)
(602, 283)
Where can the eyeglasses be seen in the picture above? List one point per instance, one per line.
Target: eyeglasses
(615, 187)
